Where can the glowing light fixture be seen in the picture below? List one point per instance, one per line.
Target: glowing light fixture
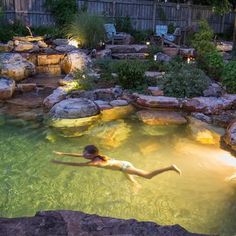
(148, 43)
(73, 42)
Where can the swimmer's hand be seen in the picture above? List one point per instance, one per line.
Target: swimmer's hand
(58, 153)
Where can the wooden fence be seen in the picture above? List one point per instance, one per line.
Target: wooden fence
(143, 14)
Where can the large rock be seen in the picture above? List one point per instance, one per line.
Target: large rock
(58, 95)
(24, 46)
(60, 42)
(72, 223)
(13, 65)
(73, 108)
(224, 118)
(7, 88)
(111, 134)
(230, 136)
(162, 57)
(75, 60)
(65, 48)
(134, 48)
(157, 101)
(210, 105)
(161, 117)
(114, 113)
(214, 90)
(52, 59)
(74, 112)
(204, 133)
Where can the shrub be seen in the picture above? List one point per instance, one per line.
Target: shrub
(87, 29)
(52, 32)
(123, 24)
(229, 77)
(131, 74)
(214, 64)
(63, 11)
(141, 36)
(184, 81)
(83, 80)
(202, 40)
(152, 50)
(8, 31)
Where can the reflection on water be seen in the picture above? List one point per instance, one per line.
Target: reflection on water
(200, 200)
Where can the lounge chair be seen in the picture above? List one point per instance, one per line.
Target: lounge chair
(170, 39)
(116, 37)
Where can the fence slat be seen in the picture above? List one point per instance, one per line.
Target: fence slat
(144, 15)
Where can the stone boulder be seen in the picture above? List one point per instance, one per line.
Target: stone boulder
(230, 136)
(162, 57)
(23, 47)
(156, 91)
(134, 48)
(157, 101)
(65, 48)
(14, 66)
(74, 112)
(104, 54)
(210, 105)
(7, 88)
(60, 42)
(73, 108)
(214, 90)
(117, 112)
(111, 134)
(161, 117)
(75, 60)
(224, 118)
(204, 133)
(55, 223)
(4, 47)
(58, 95)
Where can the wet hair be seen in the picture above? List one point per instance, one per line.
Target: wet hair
(91, 149)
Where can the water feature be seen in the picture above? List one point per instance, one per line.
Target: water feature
(200, 200)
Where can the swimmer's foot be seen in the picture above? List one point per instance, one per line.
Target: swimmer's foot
(176, 169)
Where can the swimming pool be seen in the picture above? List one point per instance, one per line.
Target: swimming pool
(200, 200)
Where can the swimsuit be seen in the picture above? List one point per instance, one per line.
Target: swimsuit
(125, 165)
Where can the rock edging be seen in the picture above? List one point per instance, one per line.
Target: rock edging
(68, 223)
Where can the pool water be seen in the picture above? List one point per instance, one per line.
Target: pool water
(200, 200)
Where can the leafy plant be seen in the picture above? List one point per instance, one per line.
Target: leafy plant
(229, 77)
(123, 24)
(8, 31)
(184, 81)
(131, 74)
(141, 36)
(202, 40)
(214, 64)
(83, 80)
(87, 29)
(63, 11)
(152, 50)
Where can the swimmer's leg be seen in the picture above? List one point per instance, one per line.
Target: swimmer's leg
(148, 175)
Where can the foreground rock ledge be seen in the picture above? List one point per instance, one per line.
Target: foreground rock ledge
(74, 223)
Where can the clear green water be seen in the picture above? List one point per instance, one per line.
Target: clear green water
(200, 200)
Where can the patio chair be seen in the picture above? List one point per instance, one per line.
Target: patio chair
(116, 37)
(170, 39)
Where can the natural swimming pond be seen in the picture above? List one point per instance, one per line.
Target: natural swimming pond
(200, 200)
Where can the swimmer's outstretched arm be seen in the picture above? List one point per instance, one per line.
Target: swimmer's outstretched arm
(68, 154)
(72, 163)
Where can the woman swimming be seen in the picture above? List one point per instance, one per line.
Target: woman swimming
(91, 152)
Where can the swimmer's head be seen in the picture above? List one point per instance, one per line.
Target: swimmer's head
(90, 151)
